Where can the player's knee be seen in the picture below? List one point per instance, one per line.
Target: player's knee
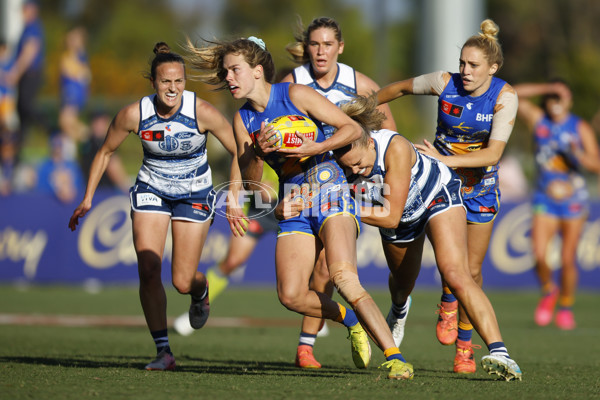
(291, 299)
(182, 285)
(348, 286)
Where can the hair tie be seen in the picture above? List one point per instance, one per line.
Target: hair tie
(258, 41)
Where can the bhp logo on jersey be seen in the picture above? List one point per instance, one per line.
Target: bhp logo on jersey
(452, 109)
(257, 195)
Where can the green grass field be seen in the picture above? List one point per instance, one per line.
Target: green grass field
(106, 360)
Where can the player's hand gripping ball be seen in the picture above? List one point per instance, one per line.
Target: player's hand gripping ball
(286, 126)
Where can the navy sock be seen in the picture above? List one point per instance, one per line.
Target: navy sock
(307, 339)
(498, 349)
(161, 340)
(448, 297)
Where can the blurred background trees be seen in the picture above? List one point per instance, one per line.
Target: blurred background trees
(542, 39)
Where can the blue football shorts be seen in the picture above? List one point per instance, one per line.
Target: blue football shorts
(199, 207)
(449, 196)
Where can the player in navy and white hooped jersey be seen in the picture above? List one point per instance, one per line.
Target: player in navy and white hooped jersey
(317, 48)
(406, 193)
(476, 115)
(173, 188)
(245, 67)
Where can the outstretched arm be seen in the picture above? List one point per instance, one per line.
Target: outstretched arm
(530, 112)
(211, 119)
(126, 121)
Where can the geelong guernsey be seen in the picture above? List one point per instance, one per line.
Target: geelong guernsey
(175, 162)
(428, 175)
(342, 90)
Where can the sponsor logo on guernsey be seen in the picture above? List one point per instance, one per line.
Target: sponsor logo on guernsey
(169, 144)
(452, 109)
(148, 199)
(153, 136)
(484, 117)
(489, 181)
(184, 135)
(542, 131)
(437, 200)
(483, 209)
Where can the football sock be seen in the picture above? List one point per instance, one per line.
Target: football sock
(196, 298)
(347, 316)
(498, 349)
(566, 301)
(465, 331)
(307, 339)
(400, 310)
(448, 297)
(393, 353)
(161, 340)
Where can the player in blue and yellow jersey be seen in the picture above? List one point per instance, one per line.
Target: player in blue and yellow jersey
(476, 115)
(565, 146)
(329, 217)
(173, 187)
(317, 48)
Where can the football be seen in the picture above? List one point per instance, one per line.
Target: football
(286, 126)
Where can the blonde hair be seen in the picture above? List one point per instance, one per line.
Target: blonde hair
(298, 48)
(208, 60)
(362, 109)
(487, 42)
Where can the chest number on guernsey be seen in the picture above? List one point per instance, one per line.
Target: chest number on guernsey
(484, 117)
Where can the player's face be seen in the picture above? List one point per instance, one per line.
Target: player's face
(323, 50)
(475, 71)
(169, 84)
(359, 160)
(557, 108)
(240, 76)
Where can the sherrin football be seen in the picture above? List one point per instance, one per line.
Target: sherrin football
(286, 126)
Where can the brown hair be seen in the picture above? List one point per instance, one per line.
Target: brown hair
(208, 60)
(298, 49)
(163, 54)
(487, 42)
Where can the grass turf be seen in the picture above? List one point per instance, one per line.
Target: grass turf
(58, 362)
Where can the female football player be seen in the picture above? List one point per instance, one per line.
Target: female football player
(317, 49)
(407, 194)
(245, 68)
(476, 115)
(173, 186)
(565, 145)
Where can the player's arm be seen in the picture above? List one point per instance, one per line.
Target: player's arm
(250, 163)
(398, 163)
(428, 84)
(320, 108)
(503, 122)
(589, 157)
(528, 111)
(365, 86)
(210, 119)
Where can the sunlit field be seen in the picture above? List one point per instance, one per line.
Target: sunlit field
(69, 343)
